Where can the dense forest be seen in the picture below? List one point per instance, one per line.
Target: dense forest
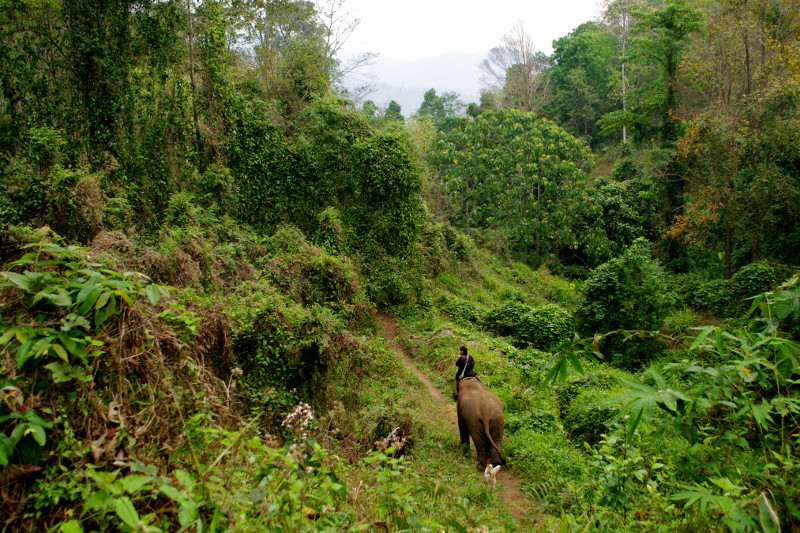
(207, 242)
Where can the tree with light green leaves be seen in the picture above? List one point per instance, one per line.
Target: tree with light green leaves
(515, 172)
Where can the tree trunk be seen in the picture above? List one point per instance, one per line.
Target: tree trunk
(756, 257)
(191, 74)
(728, 246)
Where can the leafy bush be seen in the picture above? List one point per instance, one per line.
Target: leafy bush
(751, 280)
(462, 310)
(392, 283)
(628, 292)
(591, 413)
(505, 320)
(714, 296)
(541, 327)
(544, 327)
(727, 298)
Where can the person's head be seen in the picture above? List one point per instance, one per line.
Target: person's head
(463, 350)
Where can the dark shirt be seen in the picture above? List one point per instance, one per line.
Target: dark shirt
(469, 361)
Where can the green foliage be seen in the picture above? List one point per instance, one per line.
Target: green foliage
(584, 85)
(714, 296)
(613, 217)
(461, 310)
(727, 298)
(661, 35)
(440, 109)
(625, 293)
(590, 415)
(738, 406)
(751, 280)
(541, 327)
(70, 299)
(513, 171)
(546, 326)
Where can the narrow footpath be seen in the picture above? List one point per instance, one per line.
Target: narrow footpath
(508, 485)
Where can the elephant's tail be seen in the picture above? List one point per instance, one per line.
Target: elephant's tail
(489, 436)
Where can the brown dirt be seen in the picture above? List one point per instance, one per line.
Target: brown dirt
(508, 485)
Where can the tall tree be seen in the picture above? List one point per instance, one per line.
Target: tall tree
(514, 171)
(620, 21)
(583, 79)
(516, 69)
(661, 35)
(741, 144)
(440, 108)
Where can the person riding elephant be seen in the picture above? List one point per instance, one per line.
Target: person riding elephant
(465, 368)
(480, 417)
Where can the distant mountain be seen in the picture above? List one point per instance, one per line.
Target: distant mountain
(407, 81)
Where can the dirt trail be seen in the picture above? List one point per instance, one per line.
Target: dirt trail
(508, 484)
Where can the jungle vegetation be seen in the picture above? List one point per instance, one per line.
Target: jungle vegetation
(202, 235)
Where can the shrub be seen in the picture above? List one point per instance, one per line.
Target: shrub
(727, 298)
(460, 245)
(714, 296)
(544, 327)
(505, 320)
(751, 280)
(461, 310)
(330, 233)
(628, 292)
(540, 328)
(391, 283)
(679, 322)
(590, 413)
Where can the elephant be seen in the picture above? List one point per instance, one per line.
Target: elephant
(480, 416)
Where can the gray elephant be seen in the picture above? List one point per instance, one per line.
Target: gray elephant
(480, 416)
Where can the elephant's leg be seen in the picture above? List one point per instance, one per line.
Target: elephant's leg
(480, 448)
(463, 431)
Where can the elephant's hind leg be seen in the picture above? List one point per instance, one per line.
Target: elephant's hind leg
(463, 431)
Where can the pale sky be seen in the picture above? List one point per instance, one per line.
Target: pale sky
(414, 29)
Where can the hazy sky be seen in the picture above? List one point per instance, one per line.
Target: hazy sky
(413, 29)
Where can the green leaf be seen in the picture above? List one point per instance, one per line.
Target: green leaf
(17, 279)
(102, 300)
(701, 337)
(767, 515)
(71, 526)
(576, 363)
(38, 434)
(171, 492)
(7, 334)
(725, 484)
(633, 422)
(127, 512)
(62, 353)
(18, 433)
(134, 482)
(125, 296)
(6, 450)
(720, 343)
(184, 479)
(86, 303)
(761, 413)
(153, 294)
(63, 373)
(188, 512)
